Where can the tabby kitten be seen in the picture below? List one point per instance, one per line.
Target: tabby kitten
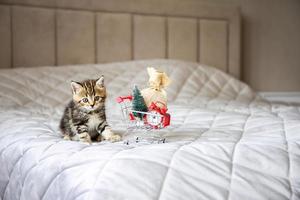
(84, 117)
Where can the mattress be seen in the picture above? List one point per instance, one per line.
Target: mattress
(224, 141)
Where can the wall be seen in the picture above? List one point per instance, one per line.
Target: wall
(270, 43)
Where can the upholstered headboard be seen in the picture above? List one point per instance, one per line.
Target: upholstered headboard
(58, 32)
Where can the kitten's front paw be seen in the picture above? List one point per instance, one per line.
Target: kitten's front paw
(86, 140)
(84, 137)
(67, 137)
(109, 135)
(114, 138)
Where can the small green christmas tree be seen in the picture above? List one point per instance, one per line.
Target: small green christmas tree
(138, 103)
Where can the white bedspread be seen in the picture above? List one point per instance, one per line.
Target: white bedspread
(224, 142)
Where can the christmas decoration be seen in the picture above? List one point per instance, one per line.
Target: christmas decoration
(155, 93)
(157, 116)
(146, 110)
(138, 103)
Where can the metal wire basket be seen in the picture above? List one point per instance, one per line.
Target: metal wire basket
(147, 123)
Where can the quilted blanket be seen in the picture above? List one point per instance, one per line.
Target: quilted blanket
(224, 141)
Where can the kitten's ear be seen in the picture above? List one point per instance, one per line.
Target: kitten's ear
(76, 87)
(100, 81)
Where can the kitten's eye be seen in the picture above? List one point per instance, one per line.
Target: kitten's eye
(97, 98)
(85, 100)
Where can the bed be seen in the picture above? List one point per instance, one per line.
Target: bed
(224, 141)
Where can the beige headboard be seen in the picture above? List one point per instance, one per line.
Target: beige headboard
(58, 32)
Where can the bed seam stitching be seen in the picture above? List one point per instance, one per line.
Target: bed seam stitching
(179, 148)
(234, 154)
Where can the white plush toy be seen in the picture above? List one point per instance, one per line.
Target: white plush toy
(155, 93)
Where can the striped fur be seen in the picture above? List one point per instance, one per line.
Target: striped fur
(84, 117)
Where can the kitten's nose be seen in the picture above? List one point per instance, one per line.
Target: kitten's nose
(92, 105)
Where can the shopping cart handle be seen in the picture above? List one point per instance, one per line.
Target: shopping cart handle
(121, 99)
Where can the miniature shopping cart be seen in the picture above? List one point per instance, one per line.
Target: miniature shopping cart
(148, 122)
